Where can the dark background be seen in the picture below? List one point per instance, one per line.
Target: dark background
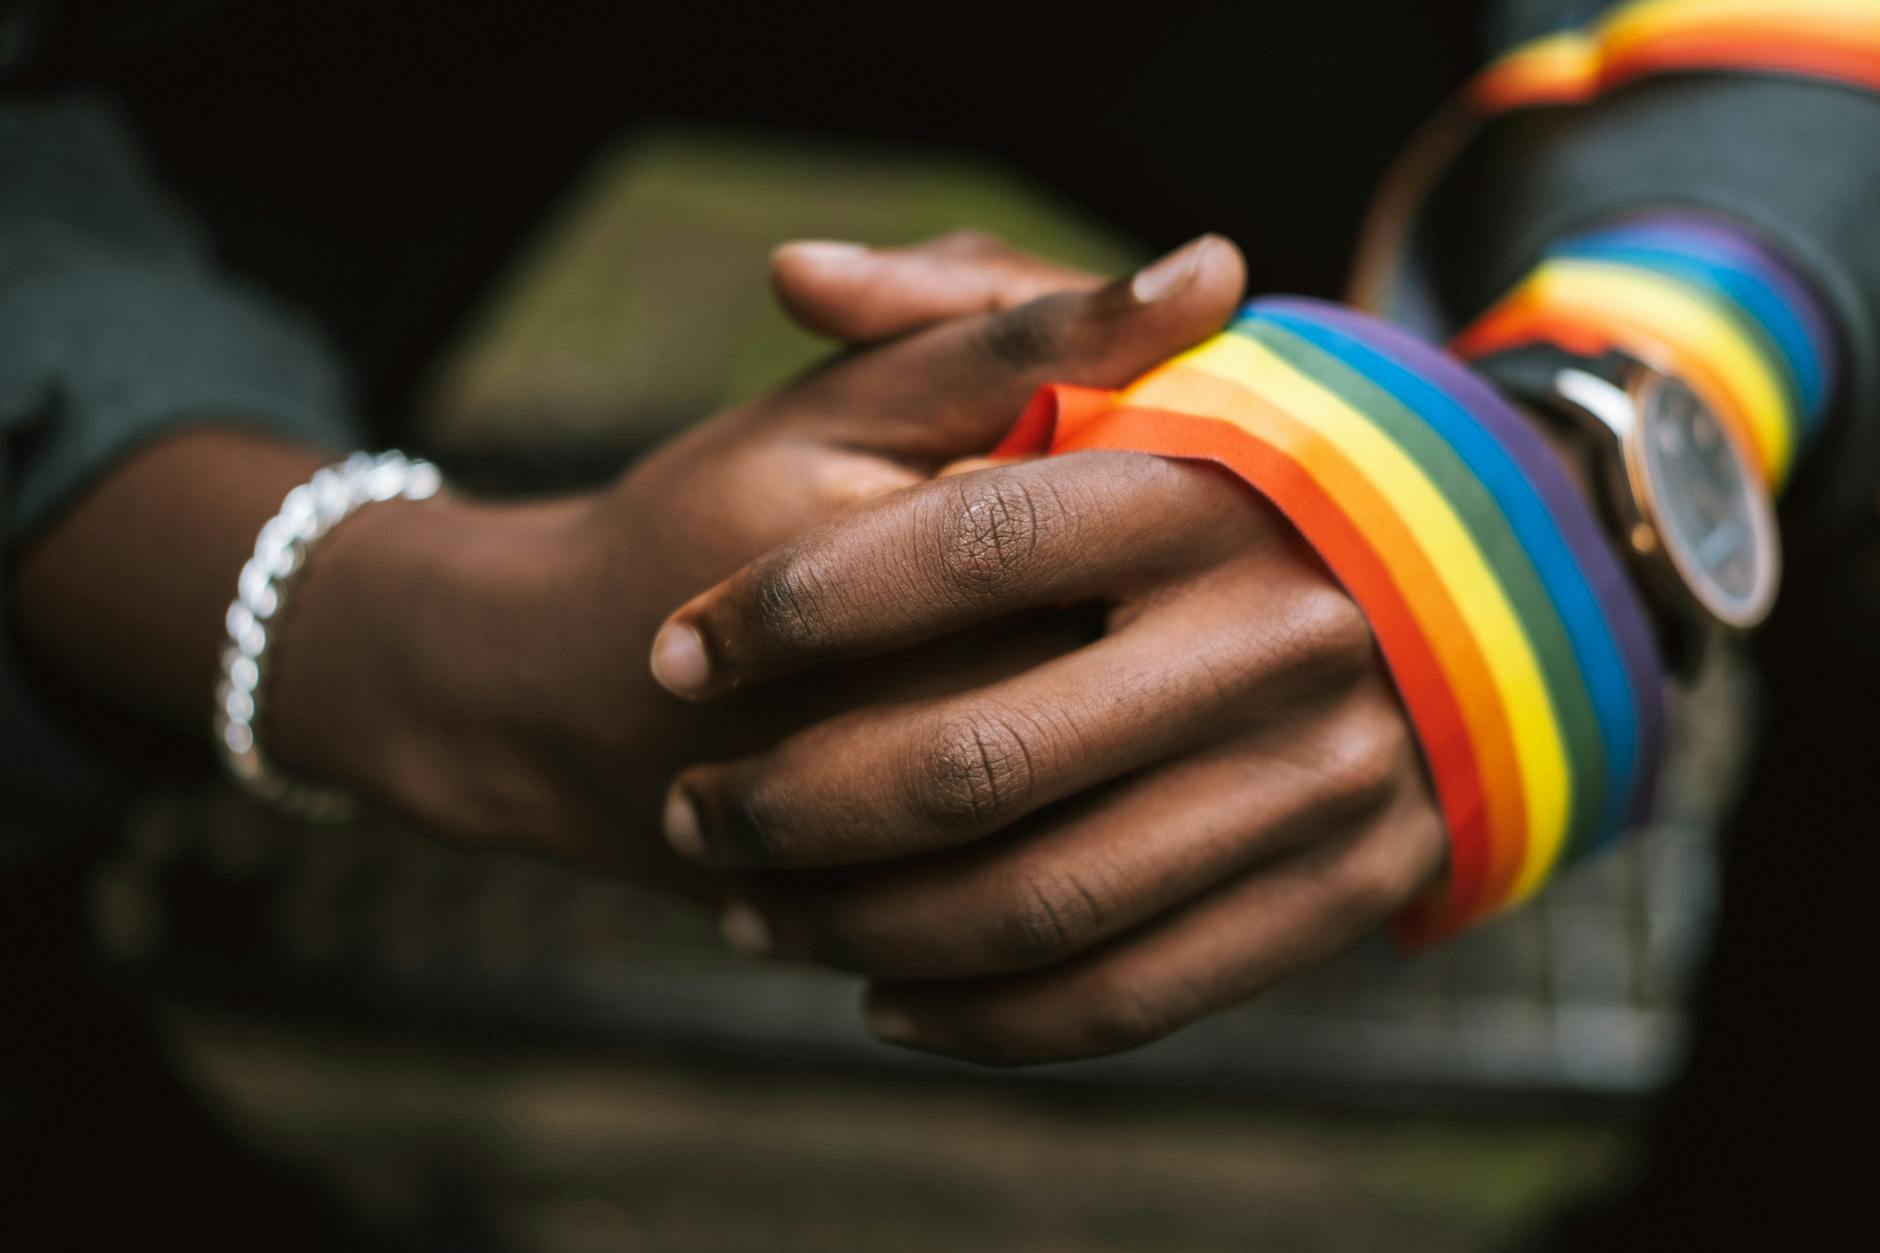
(377, 162)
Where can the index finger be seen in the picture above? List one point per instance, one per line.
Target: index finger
(950, 554)
(951, 390)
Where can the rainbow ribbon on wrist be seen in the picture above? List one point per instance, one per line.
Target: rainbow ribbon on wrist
(1628, 44)
(1519, 647)
(1696, 297)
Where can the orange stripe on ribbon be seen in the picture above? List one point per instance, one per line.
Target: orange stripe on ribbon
(1525, 318)
(1441, 675)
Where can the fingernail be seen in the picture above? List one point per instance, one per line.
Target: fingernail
(890, 1024)
(679, 662)
(1170, 274)
(681, 826)
(745, 930)
(825, 251)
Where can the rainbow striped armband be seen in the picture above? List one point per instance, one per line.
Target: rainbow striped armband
(1519, 648)
(1626, 44)
(1700, 299)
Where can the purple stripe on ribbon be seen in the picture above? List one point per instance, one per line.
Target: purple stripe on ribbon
(1672, 228)
(1625, 617)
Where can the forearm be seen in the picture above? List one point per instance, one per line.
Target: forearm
(118, 335)
(123, 596)
(413, 637)
(425, 658)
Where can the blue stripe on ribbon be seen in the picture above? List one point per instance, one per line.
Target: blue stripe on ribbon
(1667, 250)
(1509, 483)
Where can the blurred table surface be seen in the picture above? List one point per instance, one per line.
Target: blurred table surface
(559, 1151)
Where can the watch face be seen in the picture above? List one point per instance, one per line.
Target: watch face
(1712, 515)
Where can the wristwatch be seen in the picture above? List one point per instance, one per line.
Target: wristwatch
(1678, 493)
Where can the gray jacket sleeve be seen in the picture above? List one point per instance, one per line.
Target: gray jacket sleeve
(1795, 160)
(115, 327)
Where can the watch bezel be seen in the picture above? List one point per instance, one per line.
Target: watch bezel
(1620, 405)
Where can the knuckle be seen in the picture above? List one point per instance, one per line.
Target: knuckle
(1232, 665)
(1028, 336)
(967, 242)
(1372, 752)
(1377, 879)
(1118, 483)
(791, 600)
(1317, 643)
(991, 528)
(1048, 915)
(1333, 634)
(757, 826)
(1122, 1014)
(974, 768)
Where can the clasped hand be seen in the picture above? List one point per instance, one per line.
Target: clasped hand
(1203, 783)
(1060, 755)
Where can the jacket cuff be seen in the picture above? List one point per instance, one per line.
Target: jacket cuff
(1785, 159)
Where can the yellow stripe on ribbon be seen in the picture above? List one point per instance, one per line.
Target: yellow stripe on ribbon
(1656, 317)
(1570, 66)
(1631, 24)
(1452, 552)
(1561, 68)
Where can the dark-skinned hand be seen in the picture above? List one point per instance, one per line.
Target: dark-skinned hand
(480, 665)
(1216, 789)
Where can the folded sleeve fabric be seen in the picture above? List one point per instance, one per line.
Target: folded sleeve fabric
(1761, 117)
(115, 326)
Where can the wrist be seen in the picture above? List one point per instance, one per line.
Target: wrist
(418, 657)
(1699, 298)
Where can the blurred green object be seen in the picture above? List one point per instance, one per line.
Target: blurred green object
(643, 305)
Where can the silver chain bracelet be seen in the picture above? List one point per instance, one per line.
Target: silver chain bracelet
(307, 513)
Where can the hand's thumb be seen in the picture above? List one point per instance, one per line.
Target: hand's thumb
(863, 295)
(953, 390)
